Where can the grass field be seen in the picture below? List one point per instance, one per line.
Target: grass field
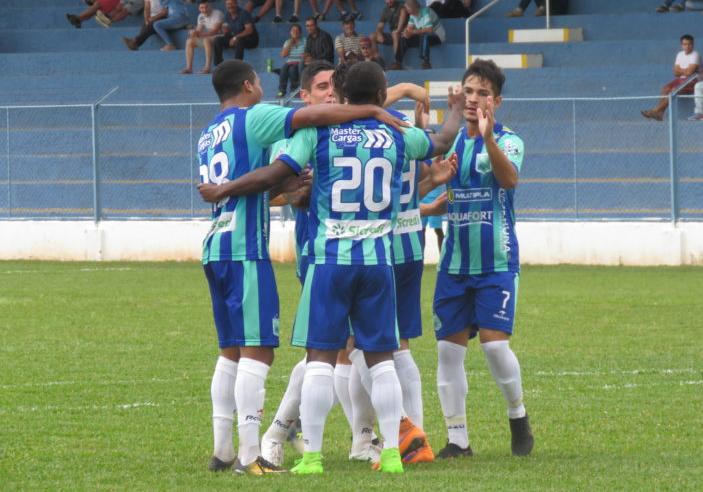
(105, 373)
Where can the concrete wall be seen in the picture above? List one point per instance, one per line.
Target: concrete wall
(549, 243)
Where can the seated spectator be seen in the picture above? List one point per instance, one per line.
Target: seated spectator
(177, 18)
(154, 11)
(698, 111)
(318, 45)
(343, 13)
(292, 53)
(112, 10)
(265, 6)
(451, 9)
(396, 17)
(209, 25)
(694, 5)
(369, 53)
(688, 62)
(423, 30)
(559, 7)
(279, 11)
(239, 32)
(348, 41)
(668, 7)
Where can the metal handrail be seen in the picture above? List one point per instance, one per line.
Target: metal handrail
(467, 28)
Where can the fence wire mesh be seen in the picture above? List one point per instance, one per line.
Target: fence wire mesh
(585, 159)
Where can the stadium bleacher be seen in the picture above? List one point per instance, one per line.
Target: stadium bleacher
(627, 50)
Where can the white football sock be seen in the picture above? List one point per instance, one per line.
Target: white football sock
(223, 407)
(506, 372)
(452, 388)
(317, 398)
(363, 415)
(289, 409)
(341, 389)
(411, 384)
(359, 361)
(249, 391)
(386, 397)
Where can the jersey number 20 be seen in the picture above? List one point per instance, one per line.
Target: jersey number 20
(386, 168)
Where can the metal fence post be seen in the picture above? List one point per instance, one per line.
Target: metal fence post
(96, 169)
(7, 155)
(573, 125)
(672, 159)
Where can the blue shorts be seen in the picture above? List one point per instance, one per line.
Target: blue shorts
(337, 299)
(244, 303)
(486, 301)
(408, 285)
(435, 221)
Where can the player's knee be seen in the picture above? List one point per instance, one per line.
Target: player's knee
(491, 335)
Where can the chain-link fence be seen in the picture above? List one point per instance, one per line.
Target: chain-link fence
(585, 159)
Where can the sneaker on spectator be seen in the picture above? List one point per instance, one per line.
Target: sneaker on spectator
(74, 20)
(129, 42)
(540, 12)
(662, 8)
(516, 12)
(677, 7)
(293, 18)
(426, 65)
(278, 19)
(280, 95)
(696, 117)
(356, 15)
(395, 66)
(343, 16)
(102, 19)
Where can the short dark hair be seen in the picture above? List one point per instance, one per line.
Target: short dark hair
(486, 70)
(338, 78)
(203, 1)
(363, 83)
(312, 70)
(314, 19)
(229, 77)
(686, 37)
(347, 20)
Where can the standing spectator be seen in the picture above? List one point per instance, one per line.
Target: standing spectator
(698, 112)
(177, 18)
(396, 17)
(451, 9)
(265, 5)
(292, 53)
(668, 7)
(154, 10)
(112, 11)
(348, 41)
(343, 13)
(423, 30)
(558, 7)
(319, 44)
(369, 53)
(239, 33)
(209, 25)
(279, 11)
(688, 62)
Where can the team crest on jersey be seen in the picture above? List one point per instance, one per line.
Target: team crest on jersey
(204, 142)
(378, 139)
(483, 163)
(511, 149)
(346, 137)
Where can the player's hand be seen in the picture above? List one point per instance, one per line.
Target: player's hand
(385, 117)
(232, 41)
(419, 94)
(210, 192)
(443, 170)
(422, 115)
(486, 120)
(437, 207)
(455, 97)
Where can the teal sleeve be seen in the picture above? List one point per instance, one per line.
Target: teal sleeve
(268, 123)
(417, 144)
(299, 150)
(513, 147)
(277, 149)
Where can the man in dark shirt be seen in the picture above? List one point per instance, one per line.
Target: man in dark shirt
(396, 17)
(239, 32)
(319, 44)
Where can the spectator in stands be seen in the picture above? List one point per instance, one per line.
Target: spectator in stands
(688, 63)
(698, 112)
(109, 11)
(154, 11)
(209, 25)
(559, 7)
(292, 54)
(177, 18)
(348, 41)
(451, 9)
(279, 11)
(423, 30)
(239, 33)
(396, 17)
(265, 6)
(343, 13)
(668, 7)
(369, 53)
(318, 45)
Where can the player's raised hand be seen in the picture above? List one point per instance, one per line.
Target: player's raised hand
(210, 192)
(443, 170)
(486, 120)
(390, 120)
(422, 115)
(455, 97)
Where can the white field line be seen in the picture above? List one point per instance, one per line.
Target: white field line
(99, 383)
(92, 269)
(634, 385)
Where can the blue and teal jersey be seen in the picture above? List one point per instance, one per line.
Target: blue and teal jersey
(408, 234)
(356, 189)
(480, 214)
(234, 144)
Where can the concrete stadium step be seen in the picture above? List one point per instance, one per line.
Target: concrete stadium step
(510, 60)
(556, 35)
(579, 7)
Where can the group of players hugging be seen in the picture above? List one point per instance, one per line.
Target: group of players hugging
(355, 173)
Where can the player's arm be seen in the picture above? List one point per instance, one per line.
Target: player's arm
(278, 201)
(336, 114)
(406, 89)
(505, 171)
(441, 172)
(436, 207)
(251, 183)
(691, 69)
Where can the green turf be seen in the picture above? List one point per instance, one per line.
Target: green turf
(105, 374)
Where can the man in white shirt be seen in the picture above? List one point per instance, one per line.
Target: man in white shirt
(688, 62)
(209, 25)
(154, 10)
